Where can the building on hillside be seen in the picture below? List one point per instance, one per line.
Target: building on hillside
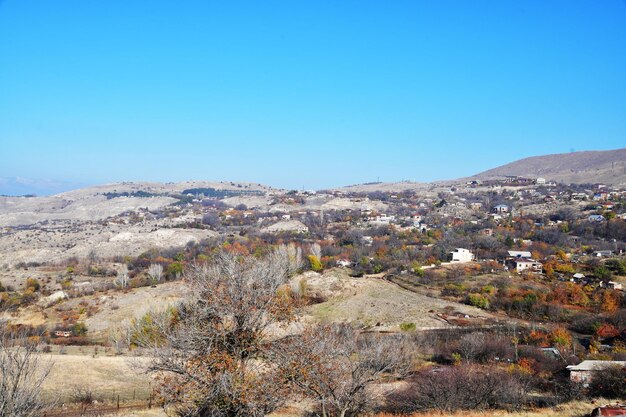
(501, 208)
(614, 285)
(381, 220)
(540, 181)
(346, 263)
(603, 253)
(523, 264)
(519, 254)
(584, 371)
(460, 255)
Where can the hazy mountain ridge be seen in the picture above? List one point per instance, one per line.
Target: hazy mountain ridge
(576, 167)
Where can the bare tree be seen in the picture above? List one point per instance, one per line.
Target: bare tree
(290, 257)
(316, 250)
(471, 345)
(121, 336)
(466, 387)
(155, 272)
(122, 279)
(211, 353)
(22, 373)
(335, 365)
(92, 256)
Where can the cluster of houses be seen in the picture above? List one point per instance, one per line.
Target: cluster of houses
(518, 261)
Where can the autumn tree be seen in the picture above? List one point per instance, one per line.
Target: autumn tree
(211, 357)
(22, 374)
(334, 365)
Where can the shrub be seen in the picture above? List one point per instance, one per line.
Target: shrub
(609, 383)
(453, 289)
(32, 283)
(79, 329)
(316, 264)
(478, 300)
(603, 273)
(408, 327)
(461, 387)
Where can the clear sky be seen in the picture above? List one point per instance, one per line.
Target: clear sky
(304, 93)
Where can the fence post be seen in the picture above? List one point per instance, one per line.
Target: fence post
(118, 402)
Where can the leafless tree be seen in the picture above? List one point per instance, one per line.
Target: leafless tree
(92, 256)
(335, 365)
(122, 278)
(290, 256)
(470, 345)
(211, 353)
(467, 387)
(120, 337)
(22, 373)
(316, 250)
(155, 272)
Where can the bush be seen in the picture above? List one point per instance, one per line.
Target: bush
(609, 383)
(616, 266)
(32, 283)
(603, 273)
(408, 327)
(316, 264)
(453, 290)
(79, 329)
(478, 300)
(461, 387)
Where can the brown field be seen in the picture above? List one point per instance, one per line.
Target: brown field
(105, 376)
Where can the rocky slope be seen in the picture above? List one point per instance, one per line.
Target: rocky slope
(607, 167)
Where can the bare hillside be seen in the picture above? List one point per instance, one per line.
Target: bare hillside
(607, 167)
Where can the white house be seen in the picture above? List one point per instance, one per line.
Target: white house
(460, 255)
(382, 219)
(540, 180)
(584, 371)
(615, 285)
(501, 208)
(526, 264)
(346, 263)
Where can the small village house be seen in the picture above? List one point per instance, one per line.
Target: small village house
(460, 255)
(584, 372)
(501, 208)
(523, 264)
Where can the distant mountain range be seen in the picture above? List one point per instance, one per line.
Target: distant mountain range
(29, 186)
(608, 167)
(588, 167)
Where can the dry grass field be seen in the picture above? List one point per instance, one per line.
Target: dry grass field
(105, 377)
(379, 303)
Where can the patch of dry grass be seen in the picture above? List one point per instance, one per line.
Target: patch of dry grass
(105, 376)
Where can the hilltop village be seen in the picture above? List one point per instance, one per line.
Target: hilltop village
(510, 272)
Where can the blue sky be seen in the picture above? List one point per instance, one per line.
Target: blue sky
(304, 94)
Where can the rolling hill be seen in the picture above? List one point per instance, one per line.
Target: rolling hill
(607, 167)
